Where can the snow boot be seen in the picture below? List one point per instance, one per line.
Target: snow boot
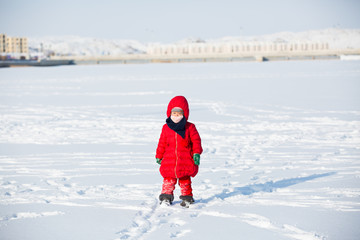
(186, 201)
(166, 199)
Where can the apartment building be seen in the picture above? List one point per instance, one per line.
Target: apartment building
(11, 45)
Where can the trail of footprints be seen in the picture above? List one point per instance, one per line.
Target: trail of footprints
(148, 221)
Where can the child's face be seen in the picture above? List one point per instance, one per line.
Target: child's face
(176, 114)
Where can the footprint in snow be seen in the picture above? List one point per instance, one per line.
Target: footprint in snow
(177, 222)
(81, 192)
(180, 233)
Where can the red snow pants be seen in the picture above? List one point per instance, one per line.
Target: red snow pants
(184, 183)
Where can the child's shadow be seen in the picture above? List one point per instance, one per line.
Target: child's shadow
(263, 187)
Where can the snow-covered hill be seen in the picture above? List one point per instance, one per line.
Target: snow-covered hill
(80, 46)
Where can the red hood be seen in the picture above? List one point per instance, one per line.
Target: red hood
(181, 102)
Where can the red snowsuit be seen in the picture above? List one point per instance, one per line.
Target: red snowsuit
(177, 152)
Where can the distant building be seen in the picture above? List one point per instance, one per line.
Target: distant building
(13, 45)
(237, 47)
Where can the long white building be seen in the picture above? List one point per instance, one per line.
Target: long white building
(236, 48)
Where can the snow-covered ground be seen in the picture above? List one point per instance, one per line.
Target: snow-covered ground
(281, 151)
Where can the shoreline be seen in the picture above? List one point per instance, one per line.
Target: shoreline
(148, 59)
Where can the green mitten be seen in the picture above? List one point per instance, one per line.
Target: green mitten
(196, 158)
(158, 160)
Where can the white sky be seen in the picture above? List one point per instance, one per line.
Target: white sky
(170, 20)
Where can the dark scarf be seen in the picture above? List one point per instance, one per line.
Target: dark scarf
(179, 127)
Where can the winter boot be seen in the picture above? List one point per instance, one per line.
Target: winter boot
(166, 199)
(186, 201)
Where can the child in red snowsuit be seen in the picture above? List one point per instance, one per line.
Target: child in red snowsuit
(178, 151)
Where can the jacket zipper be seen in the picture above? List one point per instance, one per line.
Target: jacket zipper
(176, 156)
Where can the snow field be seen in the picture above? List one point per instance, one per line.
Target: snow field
(281, 151)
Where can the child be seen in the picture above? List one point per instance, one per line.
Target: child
(178, 152)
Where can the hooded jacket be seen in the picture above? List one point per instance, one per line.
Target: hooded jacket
(175, 151)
